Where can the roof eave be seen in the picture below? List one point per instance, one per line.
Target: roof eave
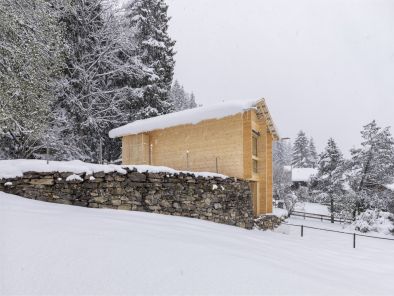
(263, 108)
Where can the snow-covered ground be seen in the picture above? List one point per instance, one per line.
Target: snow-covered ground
(281, 213)
(56, 249)
(312, 208)
(375, 223)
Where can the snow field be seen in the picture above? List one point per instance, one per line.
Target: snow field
(55, 249)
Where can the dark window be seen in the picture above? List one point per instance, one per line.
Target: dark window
(255, 166)
(254, 145)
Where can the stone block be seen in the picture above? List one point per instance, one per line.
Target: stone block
(136, 177)
(47, 182)
(125, 207)
(116, 202)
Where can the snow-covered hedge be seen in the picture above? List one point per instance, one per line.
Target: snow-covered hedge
(375, 221)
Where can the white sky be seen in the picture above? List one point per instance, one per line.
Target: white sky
(326, 67)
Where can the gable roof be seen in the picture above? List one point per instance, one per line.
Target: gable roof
(303, 174)
(194, 116)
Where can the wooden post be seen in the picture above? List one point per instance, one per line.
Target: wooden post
(302, 230)
(101, 152)
(332, 209)
(47, 154)
(354, 240)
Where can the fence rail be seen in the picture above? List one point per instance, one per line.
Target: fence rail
(341, 232)
(320, 217)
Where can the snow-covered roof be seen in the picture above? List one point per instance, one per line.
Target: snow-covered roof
(303, 174)
(390, 186)
(191, 116)
(16, 168)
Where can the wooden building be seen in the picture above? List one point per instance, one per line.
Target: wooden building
(234, 139)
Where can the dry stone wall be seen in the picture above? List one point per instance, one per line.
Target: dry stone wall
(226, 201)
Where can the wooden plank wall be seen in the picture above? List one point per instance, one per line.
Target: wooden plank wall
(270, 181)
(265, 175)
(247, 145)
(135, 149)
(192, 147)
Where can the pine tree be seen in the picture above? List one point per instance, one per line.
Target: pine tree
(91, 101)
(281, 173)
(301, 153)
(330, 178)
(147, 21)
(192, 101)
(30, 59)
(313, 156)
(372, 166)
(180, 99)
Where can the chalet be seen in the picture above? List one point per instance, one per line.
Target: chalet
(302, 177)
(233, 138)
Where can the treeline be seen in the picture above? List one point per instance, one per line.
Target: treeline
(71, 70)
(349, 186)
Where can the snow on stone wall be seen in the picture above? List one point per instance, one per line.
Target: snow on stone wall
(16, 168)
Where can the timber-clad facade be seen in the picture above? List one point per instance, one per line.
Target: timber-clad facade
(238, 145)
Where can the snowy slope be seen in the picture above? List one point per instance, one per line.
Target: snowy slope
(56, 249)
(190, 116)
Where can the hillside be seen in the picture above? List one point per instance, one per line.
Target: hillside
(56, 249)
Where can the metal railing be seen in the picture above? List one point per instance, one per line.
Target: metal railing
(321, 217)
(354, 234)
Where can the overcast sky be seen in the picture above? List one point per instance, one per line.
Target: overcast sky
(326, 67)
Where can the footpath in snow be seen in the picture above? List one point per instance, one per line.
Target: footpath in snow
(61, 250)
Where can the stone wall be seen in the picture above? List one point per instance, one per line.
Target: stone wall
(226, 201)
(268, 222)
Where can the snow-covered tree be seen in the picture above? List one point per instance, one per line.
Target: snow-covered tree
(147, 21)
(313, 156)
(281, 169)
(372, 165)
(93, 98)
(30, 59)
(180, 99)
(301, 151)
(330, 180)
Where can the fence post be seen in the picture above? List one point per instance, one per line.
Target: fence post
(321, 218)
(101, 151)
(302, 230)
(354, 240)
(47, 154)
